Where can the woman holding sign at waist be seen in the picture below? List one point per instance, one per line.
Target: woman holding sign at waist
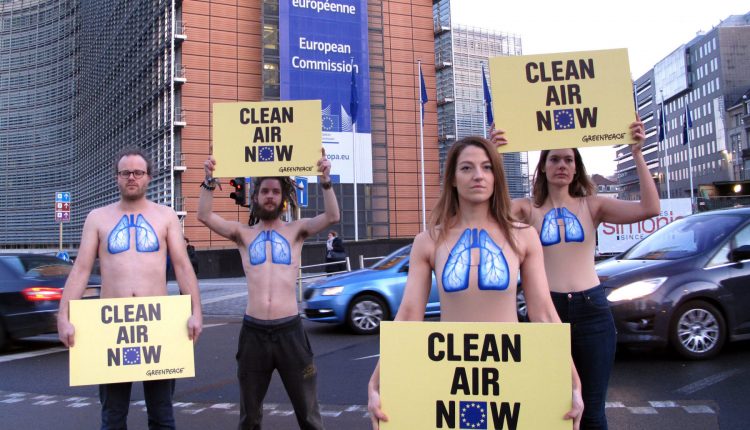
(565, 213)
(476, 252)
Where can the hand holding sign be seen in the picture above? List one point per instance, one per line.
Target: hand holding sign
(638, 133)
(324, 166)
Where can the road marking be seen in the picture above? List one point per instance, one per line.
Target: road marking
(642, 410)
(698, 409)
(222, 298)
(667, 404)
(213, 325)
(22, 355)
(332, 411)
(707, 382)
(365, 358)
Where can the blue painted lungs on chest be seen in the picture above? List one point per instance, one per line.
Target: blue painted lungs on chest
(146, 239)
(493, 267)
(281, 252)
(550, 234)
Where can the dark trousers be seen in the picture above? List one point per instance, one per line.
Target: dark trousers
(593, 343)
(115, 399)
(282, 345)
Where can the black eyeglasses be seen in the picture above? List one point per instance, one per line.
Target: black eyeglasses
(125, 174)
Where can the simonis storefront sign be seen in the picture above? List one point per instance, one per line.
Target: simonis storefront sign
(614, 238)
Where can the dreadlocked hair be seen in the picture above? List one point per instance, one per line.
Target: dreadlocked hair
(288, 195)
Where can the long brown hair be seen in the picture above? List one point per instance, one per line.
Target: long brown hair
(288, 195)
(445, 212)
(581, 186)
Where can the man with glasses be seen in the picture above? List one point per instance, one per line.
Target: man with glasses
(132, 239)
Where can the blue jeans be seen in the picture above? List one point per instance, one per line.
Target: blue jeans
(115, 399)
(593, 342)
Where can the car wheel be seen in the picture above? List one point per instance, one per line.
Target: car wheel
(523, 313)
(698, 330)
(365, 314)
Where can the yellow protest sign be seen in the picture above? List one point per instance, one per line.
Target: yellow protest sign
(475, 375)
(565, 100)
(130, 339)
(281, 138)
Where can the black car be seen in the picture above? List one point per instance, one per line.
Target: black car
(687, 285)
(30, 290)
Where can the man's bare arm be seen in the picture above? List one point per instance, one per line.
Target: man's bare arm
(330, 215)
(78, 278)
(206, 215)
(183, 270)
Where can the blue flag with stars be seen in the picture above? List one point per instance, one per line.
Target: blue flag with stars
(473, 415)
(564, 119)
(686, 125)
(423, 91)
(265, 153)
(662, 125)
(131, 355)
(487, 99)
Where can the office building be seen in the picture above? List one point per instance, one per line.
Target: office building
(708, 75)
(146, 73)
(460, 53)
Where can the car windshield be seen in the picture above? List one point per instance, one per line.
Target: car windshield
(391, 260)
(684, 238)
(38, 266)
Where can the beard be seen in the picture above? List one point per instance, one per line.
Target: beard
(130, 194)
(269, 214)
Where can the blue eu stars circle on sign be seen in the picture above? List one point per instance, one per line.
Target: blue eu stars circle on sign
(131, 355)
(473, 415)
(564, 119)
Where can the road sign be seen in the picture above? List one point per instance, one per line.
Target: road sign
(302, 193)
(63, 255)
(62, 206)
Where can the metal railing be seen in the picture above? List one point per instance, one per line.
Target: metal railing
(301, 277)
(362, 260)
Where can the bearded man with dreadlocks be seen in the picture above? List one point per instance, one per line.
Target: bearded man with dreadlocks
(272, 336)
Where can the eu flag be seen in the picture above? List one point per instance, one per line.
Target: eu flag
(487, 99)
(131, 355)
(354, 101)
(423, 95)
(265, 153)
(686, 125)
(473, 415)
(564, 119)
(662, 125)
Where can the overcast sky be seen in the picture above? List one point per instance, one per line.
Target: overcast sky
(650, 29)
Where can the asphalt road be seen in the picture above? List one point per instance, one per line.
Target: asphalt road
(648, 390)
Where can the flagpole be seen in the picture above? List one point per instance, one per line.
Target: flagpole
(354, 175)
(353, 108)
(666, 144)
(421, 146)
(690, 151)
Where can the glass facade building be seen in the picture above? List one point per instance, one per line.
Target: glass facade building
(82, 79)
(37, 63)
(460, 53)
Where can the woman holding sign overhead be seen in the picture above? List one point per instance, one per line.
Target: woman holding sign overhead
(476, 252)
(565, 212)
